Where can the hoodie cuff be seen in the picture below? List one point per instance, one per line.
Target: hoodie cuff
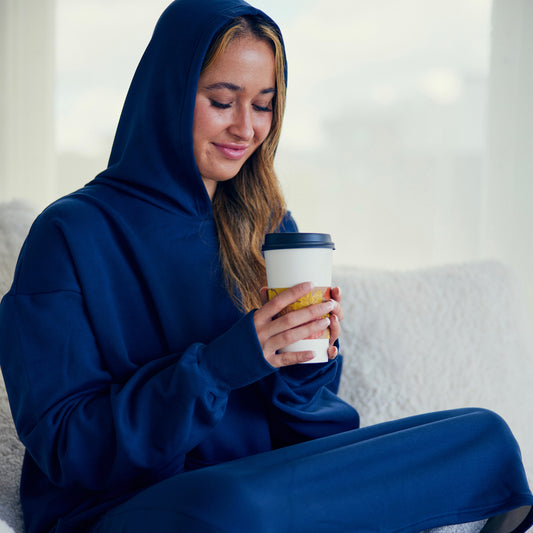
(236, 357)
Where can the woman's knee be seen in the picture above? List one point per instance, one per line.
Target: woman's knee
(497, 441)
(492, 423)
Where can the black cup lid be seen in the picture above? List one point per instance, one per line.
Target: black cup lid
(284, 241)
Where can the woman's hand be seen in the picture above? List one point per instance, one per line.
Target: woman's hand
(336, 316)
(275, 332)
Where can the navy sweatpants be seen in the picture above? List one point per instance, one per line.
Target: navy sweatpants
(406, 476)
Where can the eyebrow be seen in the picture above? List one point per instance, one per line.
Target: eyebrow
(233, 87)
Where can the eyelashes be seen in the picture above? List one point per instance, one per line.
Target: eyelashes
(220, 105)
(263, 109)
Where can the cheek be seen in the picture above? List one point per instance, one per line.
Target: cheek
(206, 122)
(263, 128)
(196, 127)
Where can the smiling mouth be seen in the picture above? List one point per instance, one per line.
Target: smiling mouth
(231, 151)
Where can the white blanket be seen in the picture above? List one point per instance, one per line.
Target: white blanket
(5, 528)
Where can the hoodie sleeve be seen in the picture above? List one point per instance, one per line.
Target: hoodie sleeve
(84, 429)
(81, 425)
(304, 404)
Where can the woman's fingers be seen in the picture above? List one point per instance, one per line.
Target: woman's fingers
(337, 314)
(276, 331)
(270, 323)
(283, 299)
(264, 295)
(332, 352)
(278, 360)
(335, 329)
(337, 297)
(289, 336)
(336, 294)
(297, 318)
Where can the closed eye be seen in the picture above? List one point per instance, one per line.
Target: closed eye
(263, 109)
(220, 105)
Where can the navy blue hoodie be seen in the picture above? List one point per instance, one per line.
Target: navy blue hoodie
(125, 360)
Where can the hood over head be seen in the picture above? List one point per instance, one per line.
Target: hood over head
(152, 155)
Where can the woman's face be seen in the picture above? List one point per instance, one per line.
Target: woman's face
(233, 110)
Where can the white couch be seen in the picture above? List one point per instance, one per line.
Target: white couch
(413, 341)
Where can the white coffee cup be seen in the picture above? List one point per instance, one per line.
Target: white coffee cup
(293, 258)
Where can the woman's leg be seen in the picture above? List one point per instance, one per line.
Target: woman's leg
(405, 476)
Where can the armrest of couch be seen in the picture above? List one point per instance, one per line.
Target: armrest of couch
(11, 455)
(15, 220)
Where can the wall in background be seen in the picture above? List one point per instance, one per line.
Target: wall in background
(507, 218)
(406, 138)
(384, 144)
(27, 82)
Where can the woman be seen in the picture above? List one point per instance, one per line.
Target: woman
(142, 364)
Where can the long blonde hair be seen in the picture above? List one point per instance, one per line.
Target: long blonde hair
(251, 204)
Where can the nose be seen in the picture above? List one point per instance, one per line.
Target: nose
(242, 124)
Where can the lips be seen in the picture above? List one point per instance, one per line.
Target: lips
(231, 151)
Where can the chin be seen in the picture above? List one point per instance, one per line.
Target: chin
(227, 175)
(222, 173)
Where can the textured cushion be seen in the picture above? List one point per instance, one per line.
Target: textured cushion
(437, 338)
(15, 220)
